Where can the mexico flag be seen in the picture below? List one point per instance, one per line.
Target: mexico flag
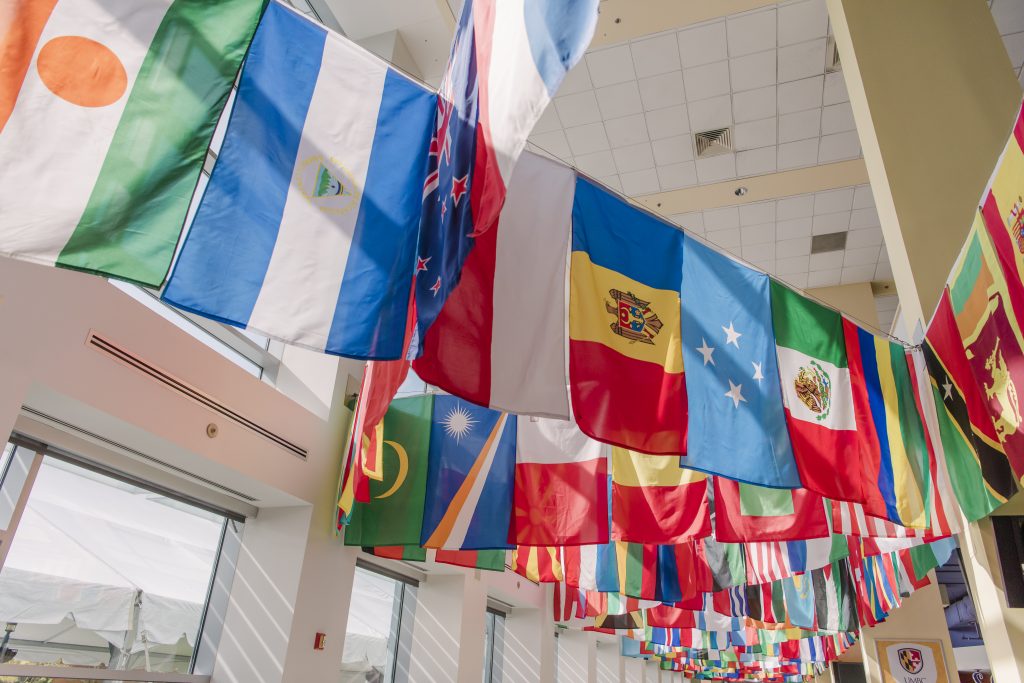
(822, 409)
(106, 111)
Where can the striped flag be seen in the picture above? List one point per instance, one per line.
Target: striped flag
(850, 519)
(488, 560)
(298, 178)
(538, 564)
(106, 111)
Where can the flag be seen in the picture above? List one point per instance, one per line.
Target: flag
(506, 62)
(656, 501)
(409, 553)
(850, 519)
(828, 418)
(899, 469)
(798, 591)
(682, 571)
(981, 476)
(394, 515)
(725, 562)
(744, 512)
(767, 561)
(106, 111)
(625, 364)
(469, 477)
(487, 560)
(833, 597)
(538, 564)
(299, 178)
(635, 569)
(990, 330)
(561, 484)
(501, 342)
(737, 427)
(620, 612)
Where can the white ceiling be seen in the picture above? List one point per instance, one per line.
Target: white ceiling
(1009, 16)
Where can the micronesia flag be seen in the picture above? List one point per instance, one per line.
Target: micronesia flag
(506, 63)
(737, 425)
(307, 231)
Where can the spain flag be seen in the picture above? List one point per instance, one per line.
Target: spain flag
(625, 355)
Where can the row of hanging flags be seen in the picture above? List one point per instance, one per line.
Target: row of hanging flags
(632, 412)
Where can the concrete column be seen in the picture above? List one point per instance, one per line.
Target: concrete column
(933, 94)
(529, 646)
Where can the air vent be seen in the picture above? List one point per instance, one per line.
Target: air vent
(833, 241)
(832, 63)
(174, 384)
(713, 142)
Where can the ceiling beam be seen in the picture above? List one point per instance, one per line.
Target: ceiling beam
(625, 19)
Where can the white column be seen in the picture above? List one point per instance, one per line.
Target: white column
(448, 636)
(633, 670)
(529, 646)
(576, 657)
(607, 659)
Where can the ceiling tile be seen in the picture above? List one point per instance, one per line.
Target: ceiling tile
(827, 261)
(703, 44)
(795, 207)
(640, 182)
(673, 150)
(799, 95)
(577, 109)
(835, 89)
(754, 104)
(794, 227)
(883, 272)
(754, 134)
(709, 114)
(596, 164)
(752, 71)
(694, 221)
(666, 90)
(790, 265)
(667, 122)
(757, 253)
(864, 237)
(548, 121)
(721, 219)
(751, 32)
(760, 233)
(864, 218)
(797, 154)
(629, 130)
(725, 238)
(553, 143)
(861, 256)
(714, 169)
(708, 80)
(587, 139)
(619, 100)
(753, 162)
(862, 197)
(831, 201)
(760, 212)
(653, 56)
(823, 278)
(765, 265)
(612, 181)
(853, 274)
(799, 246)
(798, 280)
(802, 21)
(800, 125)
(831, 222)
(675, 176)
(610, 66)
(837, 118)
(1015, 48)
(634, 157)
(801, 60)
(577, 80)
(1009, 15)
(839, 146)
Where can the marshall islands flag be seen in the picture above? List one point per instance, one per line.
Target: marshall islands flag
(106, 111)
(307, 231)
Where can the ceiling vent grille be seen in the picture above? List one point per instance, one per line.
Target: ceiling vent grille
(833, 241)
(832, 63)
(713, 142)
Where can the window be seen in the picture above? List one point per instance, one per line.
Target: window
(494, 646)
(377, 635)
(103, 572)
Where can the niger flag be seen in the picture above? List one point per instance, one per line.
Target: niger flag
(625, 354)
(656, 501)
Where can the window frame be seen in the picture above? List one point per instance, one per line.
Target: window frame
(398, 630)
(494, 647)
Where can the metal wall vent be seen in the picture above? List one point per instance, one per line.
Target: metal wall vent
(188, 391)
(833, 241)
(832, 63)
(713, 142)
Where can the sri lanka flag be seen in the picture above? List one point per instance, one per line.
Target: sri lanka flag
(625, 355)
(507, 60)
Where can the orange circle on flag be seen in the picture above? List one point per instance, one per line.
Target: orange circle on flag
(82, 71)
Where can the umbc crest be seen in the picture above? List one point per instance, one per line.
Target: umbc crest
(814, 389)
(911, 659)
(634, 318)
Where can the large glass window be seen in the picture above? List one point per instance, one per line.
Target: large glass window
(104, 573)
(494, 646)
(375, 633)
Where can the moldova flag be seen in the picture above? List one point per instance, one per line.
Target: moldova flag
(625, 355)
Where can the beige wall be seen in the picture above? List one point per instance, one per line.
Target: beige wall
(855, 300)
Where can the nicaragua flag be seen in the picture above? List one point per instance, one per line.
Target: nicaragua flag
(307, 231)
(506, 63)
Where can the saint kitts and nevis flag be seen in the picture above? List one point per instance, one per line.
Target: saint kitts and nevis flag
(625, 359)
(106, 111)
